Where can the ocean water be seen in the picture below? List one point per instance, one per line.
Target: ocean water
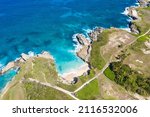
(4, 79)
(37, 25)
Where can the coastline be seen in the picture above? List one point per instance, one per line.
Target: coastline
(74, 72)
(69, 76)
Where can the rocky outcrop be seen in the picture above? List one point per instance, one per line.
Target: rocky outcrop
(147, 49)
(144, 3)
(134, 29)
(24, 57)
(46, 55)
(82, 40)
(93, 35)
(9, 66)
(85, 47)
(131, 12)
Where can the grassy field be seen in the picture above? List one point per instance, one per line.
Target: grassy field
(81, 81)
(96, 58)
(109, 90)
(109, 74)
(41, 69)
(36, 91)
(144, 24)
(89, 92)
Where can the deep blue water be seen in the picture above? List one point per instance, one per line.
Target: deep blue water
(36, 25)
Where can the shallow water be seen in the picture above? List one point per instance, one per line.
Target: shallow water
(36, 25)
(4, 79)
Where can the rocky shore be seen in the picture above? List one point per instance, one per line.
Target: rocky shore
(84, 51)
(23, 58)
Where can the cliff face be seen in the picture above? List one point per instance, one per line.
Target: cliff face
(85, 47)
(105, 47)
(85, 44)
(140, 17)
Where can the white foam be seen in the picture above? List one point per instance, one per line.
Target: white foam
(126, 29)
(77, 45)
(31, 54)
(1, 66)
(126, 12)
(87, 31)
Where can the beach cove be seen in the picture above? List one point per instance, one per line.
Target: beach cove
(58, 41)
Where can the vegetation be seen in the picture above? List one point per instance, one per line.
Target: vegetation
(36, 91)
(40, 69)
(130, 79)
(109, 74)
(144, 24)
(81, 81)
(96, 58)
(89, 92)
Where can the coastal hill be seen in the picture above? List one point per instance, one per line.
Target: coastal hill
(116, 66)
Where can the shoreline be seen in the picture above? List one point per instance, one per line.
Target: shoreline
(69, 76)
(85, 67)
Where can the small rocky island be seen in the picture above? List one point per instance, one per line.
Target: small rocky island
(116, 66)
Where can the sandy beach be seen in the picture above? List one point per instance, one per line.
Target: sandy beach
(76, 72)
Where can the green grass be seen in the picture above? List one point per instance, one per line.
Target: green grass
(36, 91)
(109, 74)
(40, 69)
(82, 80)
(96, 58)
(89, 92)
(144, 24)
(144, 38)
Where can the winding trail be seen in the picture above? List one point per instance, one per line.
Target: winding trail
(86, 83)
(144, 34)
(55, 87)
(107, 64)
(72, 94)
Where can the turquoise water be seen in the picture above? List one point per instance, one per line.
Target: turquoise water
(37, 25)
(4, 79)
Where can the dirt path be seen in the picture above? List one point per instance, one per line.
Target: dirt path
(105, 67)
(55, 87)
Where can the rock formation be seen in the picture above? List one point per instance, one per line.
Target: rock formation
(46, 55)
(9, 66)
(131, 12)
(24, 57)
(93, 35)
(84, 51)
(144, 3)
(134, 29)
